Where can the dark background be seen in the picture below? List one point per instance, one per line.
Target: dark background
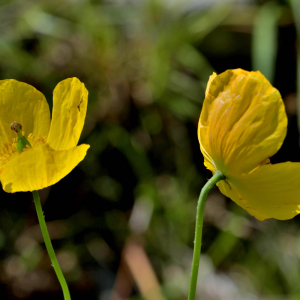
(122, 222)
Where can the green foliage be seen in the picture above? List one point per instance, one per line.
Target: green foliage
(264, 42)
(146, 65)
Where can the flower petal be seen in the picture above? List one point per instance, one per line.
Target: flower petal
(37, 168)
(69, 109)
(211, 78)
(229, 191)
(243, 121)
(24, 104)
(271, 191)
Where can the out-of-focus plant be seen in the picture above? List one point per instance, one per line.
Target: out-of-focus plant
(264, 41)
(295, 6)
(146, 65)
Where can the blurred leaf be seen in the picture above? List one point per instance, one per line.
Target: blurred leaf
(264, 39)
(194, 61)
(108, 188)
(202, 24)
(181, 107)
(295, 5)
(227, 239)
(137, 158)
(151, 122)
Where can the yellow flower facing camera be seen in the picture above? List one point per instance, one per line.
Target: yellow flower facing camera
(53, 150)
(35, 153)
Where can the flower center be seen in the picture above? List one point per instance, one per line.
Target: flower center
(10, 149)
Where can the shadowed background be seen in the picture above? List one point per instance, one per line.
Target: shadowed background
(122, 222)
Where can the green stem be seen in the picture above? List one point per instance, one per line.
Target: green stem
(198, 233)
(49, 247)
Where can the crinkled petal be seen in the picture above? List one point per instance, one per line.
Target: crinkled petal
(211, 78)
(243, 121)
(37, 168)
(70, 99)
(24, 104)
(271, 191)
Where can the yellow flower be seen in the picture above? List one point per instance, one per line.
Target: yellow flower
(243, 123)
(54, 152)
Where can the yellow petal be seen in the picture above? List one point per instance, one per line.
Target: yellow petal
(243, 121)
(211, 78)
(39, 167)
(229, 191)
(70, 99)
(271, 191)
(24, 104)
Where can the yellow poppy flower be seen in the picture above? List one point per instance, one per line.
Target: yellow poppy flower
(54, 152)
(242, 124)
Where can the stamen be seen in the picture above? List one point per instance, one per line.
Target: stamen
(9, 150)
(34, 141)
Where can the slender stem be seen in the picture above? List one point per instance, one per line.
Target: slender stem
(198, 233)
(49, 246)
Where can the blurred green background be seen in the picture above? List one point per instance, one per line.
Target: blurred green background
(122, 223)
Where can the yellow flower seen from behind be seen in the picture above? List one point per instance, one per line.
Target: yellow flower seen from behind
(54, 152)
(242, 124)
